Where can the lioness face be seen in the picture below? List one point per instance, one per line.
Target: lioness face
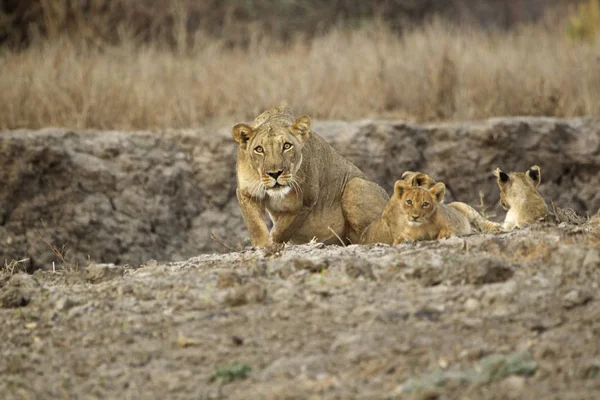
(275, 152)
(418, 203)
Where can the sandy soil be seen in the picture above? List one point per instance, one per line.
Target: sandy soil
(513, 315)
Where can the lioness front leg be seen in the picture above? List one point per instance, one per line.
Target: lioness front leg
(253, 212)
(287, 225)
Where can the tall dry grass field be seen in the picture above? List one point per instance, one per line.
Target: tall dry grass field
(434, 72)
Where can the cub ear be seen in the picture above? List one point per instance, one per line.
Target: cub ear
(399, 187)
(535, 173)
(501, 175)
(242, 134)
(438, 191)
(424, 180)
(301, 128)
(406, 173)
(418, 179)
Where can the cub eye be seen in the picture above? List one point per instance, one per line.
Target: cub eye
(425, 204)
(259, 149)
(287, 146)
(409, 202)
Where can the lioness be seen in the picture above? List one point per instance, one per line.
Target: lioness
(307, 188)
(415, 212)
(519, 195)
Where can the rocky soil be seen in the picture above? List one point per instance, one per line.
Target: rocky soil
(125, 198)
(507, 316)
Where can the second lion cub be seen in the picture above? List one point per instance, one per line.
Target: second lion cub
(519, 195)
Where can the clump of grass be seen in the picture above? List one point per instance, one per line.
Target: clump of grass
(65, 263)
(231, 372)
(483, 208)
(14, 266)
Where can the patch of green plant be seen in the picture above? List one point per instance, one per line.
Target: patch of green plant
(450, 259)
(592, 370)
(585, 23)
(489, 369)
(231, 372)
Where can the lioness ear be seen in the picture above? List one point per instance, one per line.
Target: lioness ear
(242, 134)
(501, 175)
(535, 173)
(438, 191)
(301, 128)
(399, 188)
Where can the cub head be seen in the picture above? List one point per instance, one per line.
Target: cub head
(517, 185)
(274, 150)
(416, 202)
(418, 179)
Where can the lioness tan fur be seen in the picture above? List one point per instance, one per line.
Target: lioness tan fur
(306, 187)
(393, 226)
(520, 197)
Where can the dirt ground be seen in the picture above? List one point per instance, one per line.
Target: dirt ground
(512, 315)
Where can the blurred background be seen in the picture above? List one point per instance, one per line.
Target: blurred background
(150, 64)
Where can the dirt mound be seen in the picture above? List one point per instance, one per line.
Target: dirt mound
(128, 197)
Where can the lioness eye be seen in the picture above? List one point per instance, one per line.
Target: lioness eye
(425, 204)
(258, 149)
(409, 202)
(287, 146)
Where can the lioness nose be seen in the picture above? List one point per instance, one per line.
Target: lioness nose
(274, 175)
(415, 217)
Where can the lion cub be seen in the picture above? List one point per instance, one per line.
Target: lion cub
(437, 220)
(520, 197)
(417, 213)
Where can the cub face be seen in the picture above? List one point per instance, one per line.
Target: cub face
(275, 152)
(418, 203)
(517, 185)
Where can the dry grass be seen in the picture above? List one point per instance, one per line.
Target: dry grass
(14, 266)
(435, 72)
(63, 259)
(180, 22)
